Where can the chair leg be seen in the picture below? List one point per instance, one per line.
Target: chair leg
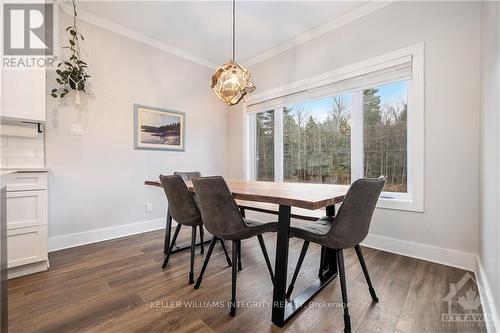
(266, 256)
(202, 245)
(343, 287)
(225, 252)
(168, 231)
(176, 233)
(205, 262)
(239, 255)
(193, 248)
(233, 280)
(297, 269)
(365, 272)
(321, 262)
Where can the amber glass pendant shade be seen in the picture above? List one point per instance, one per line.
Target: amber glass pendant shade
(231, 81)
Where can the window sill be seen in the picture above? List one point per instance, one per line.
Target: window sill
(401, 204)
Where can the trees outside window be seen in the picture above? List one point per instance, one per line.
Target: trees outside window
(265, 145)
(317, 138)
(385, 114)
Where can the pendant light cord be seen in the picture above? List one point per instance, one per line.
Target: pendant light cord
(234, 5)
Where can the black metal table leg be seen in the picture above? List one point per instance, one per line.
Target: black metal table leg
(281, 266)
(168, 231)
(328, 256)
(282, 311)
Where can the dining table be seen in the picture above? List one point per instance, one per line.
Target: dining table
(288, 200)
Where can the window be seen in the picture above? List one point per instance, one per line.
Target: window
(265, 145)
(384, 130)
(317, 139)
(355, 122)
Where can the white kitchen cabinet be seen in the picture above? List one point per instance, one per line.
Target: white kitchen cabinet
(26, 206)
(26, 209)
(27, 246)
(23, 94)
(26, 181)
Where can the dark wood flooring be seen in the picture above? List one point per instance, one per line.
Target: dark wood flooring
(119, 286)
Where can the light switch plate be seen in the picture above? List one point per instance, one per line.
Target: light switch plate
(149, 207)
(76, 129)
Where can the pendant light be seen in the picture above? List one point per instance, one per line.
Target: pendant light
(231, 82)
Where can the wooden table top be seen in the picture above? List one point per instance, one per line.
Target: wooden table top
(308, 196)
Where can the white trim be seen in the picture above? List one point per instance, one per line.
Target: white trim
(278, 144)
(245, 147)
(487, 300)
(280, 48)
(416, 133)
(251, 158)
(98, 235)
(448, 257)
(357, 135)
(320, 30)
(34, 267)
(356, 69)
(132, 34)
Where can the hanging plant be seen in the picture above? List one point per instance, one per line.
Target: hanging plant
(71, 73)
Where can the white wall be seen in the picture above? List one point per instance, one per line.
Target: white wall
(450, 31)
(490, 147)
(97, 180)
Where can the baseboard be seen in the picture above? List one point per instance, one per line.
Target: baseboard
(27, 269)
(426, 252)
(453, 258)
(487, 301)
(97, 235)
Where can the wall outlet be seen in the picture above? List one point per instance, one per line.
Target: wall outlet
(149, 207)
(76, 129)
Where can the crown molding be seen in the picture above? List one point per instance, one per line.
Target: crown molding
(135, 35)
(280, 48)
(320, 30)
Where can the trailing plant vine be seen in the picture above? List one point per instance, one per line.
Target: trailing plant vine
(71, 73)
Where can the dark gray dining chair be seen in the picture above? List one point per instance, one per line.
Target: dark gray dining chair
(185, 212)
(347, 229)
(223, 219)
(189, 175)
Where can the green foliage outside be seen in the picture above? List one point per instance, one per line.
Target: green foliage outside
(319, 151)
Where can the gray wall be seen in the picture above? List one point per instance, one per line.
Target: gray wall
(97, 180)
(490, 147)
(451, 33)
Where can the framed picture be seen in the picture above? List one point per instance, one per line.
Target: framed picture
(158, 129)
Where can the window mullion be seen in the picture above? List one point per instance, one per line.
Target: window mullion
(278, 144)
(251, 168)
(357, 136)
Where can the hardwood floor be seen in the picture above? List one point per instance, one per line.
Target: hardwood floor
(119, 286)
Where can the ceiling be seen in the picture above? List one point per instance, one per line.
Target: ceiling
(203, 29)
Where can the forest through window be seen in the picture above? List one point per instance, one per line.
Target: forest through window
(317, 138)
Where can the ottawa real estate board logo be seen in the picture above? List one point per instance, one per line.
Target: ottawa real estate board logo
(28, 35)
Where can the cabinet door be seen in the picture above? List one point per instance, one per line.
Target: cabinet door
(23, 94)
(26, 181)
(26, 246)
(26, 209)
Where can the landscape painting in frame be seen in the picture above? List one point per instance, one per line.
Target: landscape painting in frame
(157, 128)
